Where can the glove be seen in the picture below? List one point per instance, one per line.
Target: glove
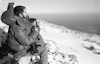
(11, 4)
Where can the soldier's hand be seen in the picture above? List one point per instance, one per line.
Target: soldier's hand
(39, 44)
(11, 3)
(21, 47)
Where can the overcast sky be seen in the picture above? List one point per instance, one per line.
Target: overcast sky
(56, 6)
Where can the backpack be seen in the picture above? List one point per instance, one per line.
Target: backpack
(7, 16)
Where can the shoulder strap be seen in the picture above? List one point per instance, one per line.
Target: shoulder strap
(13, 35)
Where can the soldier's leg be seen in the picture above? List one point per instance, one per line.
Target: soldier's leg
(44, 56)
(14, 45)
(42, 50)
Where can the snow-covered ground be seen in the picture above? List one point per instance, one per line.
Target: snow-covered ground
(83, 47)
(73, 42)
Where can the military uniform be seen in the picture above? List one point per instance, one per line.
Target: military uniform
(20, 36)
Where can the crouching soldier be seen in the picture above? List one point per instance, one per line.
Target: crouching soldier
(20, 36)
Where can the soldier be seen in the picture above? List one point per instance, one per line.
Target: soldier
(20, 36)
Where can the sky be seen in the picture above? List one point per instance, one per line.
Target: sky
(55, 6)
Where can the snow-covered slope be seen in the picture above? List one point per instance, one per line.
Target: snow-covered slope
(68, 46)
(74, 42)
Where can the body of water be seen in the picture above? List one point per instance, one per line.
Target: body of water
(87, 22)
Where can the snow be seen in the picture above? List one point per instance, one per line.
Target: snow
(68, 42)
(4, 26)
